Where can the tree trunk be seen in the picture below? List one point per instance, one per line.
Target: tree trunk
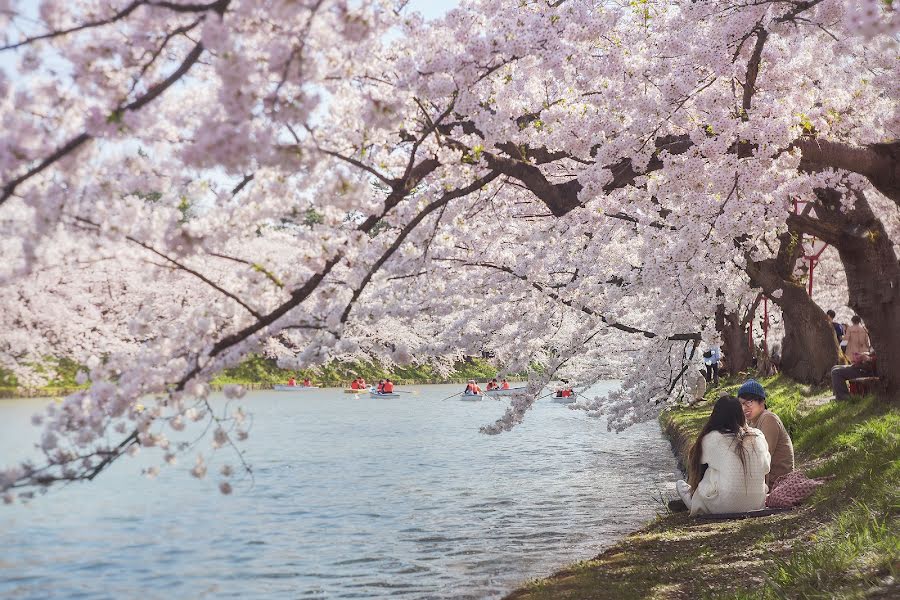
(873, 275)
(735, 348)
(809, 349)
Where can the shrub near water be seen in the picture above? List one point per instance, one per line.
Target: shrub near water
(257, 369)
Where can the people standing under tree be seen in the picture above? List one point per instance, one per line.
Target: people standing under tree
(727, 464)
(857, 338)
(752, 397)
(711, 359)
(838, 328)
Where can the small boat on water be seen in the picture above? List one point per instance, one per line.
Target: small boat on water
(294, 388)
(467, 397)
(498, 392)
(352, 391)
(565, 399)
(383, 395)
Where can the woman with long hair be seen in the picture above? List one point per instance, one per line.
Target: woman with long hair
(727, 465)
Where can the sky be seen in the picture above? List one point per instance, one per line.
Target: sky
(430, 9)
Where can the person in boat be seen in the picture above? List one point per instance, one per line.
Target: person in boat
(504, 385)
(727, 465)
(355, 384)
(388, 387)
(380, 387)
(472, 388)
(307, 382)
(560, 393)
(492, 385)
(362, 383)
(568, 393)
(292, 382)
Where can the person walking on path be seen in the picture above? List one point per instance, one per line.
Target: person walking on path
(838, 328)
(711, 359)
(753, 402)
(857, 338)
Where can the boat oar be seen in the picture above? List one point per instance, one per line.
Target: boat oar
(453, 396)
(406, 392)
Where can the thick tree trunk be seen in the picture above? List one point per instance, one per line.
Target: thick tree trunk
(873, 275)
(809, 349)
(735, 347)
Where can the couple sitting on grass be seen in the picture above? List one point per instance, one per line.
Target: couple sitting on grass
(740, 454)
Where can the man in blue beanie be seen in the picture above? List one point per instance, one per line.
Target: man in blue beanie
(753, 400)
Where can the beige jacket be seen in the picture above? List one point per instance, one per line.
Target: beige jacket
(857, 338)
(780, 446)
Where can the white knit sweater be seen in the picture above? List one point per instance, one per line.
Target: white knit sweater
(727, 486)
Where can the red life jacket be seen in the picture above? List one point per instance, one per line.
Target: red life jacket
(354, 385)
(388, 388)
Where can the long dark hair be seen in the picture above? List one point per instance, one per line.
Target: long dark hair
(727, 418)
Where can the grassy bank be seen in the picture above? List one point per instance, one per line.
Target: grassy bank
(261, 373)
(844, 542)
(259, 370)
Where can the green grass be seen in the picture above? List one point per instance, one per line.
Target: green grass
(261, 370)
(844, 542)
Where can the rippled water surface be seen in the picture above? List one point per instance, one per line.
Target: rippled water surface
(351, 498)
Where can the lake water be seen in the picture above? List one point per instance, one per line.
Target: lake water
(351, 498)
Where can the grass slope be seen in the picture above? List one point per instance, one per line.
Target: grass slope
(843, 543)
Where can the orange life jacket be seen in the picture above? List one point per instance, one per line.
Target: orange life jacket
(388, 388)
(505, 385)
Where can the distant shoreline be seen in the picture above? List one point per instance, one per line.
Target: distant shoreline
(7, 393)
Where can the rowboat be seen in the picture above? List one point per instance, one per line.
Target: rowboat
(564, 399)
(294, 388)
(467, 397)
(382, 395)
(352, 391)
(509, 392)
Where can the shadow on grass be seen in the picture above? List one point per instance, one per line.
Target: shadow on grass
(845, 542)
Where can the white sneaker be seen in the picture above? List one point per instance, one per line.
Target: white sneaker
(684, 491)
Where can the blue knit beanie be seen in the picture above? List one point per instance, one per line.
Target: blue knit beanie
(751, 386)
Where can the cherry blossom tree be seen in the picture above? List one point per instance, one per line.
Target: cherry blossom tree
(595, 187)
